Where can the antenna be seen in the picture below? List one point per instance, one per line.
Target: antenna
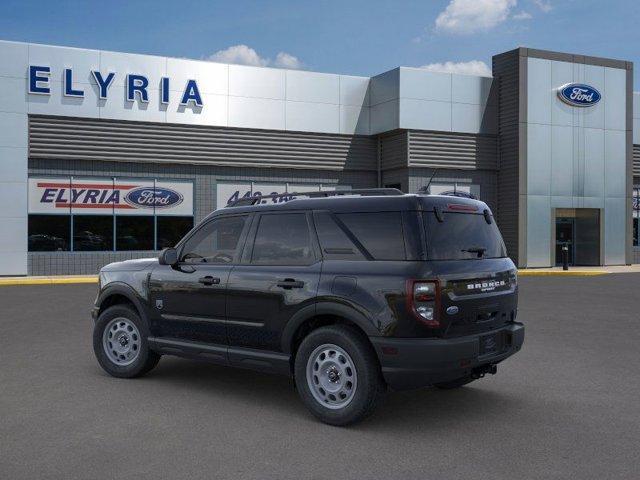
(426, 188)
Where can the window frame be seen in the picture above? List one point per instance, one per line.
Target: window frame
(241, 241)
(247, 254)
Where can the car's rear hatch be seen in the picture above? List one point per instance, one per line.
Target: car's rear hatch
(477, 281)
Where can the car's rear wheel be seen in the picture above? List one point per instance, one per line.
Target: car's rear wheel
(120, 343)
(337, 375)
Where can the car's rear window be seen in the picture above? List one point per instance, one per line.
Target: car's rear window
(462, 236)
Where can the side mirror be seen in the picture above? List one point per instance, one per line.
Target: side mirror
(168, 256)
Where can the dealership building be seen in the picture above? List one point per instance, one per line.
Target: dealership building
(107, 156)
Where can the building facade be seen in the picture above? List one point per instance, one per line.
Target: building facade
(107, 156)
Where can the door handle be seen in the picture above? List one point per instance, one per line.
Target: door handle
(289, 283)
(209, 280)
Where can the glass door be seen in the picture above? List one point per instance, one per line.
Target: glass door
(565, 229)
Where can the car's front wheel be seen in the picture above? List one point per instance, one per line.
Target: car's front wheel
(337, 375)
(120, 343)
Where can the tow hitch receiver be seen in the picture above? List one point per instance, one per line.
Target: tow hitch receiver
(482, 370)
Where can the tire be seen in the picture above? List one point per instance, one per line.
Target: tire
(129, 355)
(457, 383)
(346, 358)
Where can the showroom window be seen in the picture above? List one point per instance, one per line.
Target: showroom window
(228, 192)
(470, 190)
(107, 214)
(49, 233)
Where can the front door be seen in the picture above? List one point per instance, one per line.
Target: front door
(579, 230)
(189, 299)
(565, 228)
(278, 276)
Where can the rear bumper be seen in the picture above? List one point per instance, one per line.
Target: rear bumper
(418, 362)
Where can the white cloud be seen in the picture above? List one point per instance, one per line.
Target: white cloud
(522, 16)
(240, 54)
(469, 16)
(286, 60)
(543, 5)
(473, 67)
(245, 55)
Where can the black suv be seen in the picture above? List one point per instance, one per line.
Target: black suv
(348, 294)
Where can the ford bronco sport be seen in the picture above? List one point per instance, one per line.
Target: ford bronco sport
(349, 295)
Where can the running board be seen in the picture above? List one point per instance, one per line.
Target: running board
(264, 361)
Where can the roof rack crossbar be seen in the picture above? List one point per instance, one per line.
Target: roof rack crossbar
(320, 194)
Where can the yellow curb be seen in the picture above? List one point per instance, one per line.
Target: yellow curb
(561, 273)
(46, 280)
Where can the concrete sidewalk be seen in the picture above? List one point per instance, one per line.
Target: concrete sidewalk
(578, 271)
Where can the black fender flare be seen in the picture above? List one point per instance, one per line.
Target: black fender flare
(325, 308)
(118, 288)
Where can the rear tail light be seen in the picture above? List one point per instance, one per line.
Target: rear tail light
(423, 297)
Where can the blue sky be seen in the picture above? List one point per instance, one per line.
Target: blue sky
(351, 37)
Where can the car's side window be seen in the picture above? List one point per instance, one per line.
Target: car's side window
(216, 242)
(380, 233)
(334, 241)
(283, 239)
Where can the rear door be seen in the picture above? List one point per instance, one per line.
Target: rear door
(189, 299)
(278, 276)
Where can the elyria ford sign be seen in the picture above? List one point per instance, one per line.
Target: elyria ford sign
(100, 196)
(136, 86)
(579, 95)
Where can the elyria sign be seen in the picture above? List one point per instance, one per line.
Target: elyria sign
(136, 86)
(579, 95)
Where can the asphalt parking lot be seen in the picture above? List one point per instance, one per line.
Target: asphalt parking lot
(567, 406)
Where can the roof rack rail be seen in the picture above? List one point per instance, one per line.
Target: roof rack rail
(320, 194)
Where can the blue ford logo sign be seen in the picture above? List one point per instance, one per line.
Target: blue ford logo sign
(149, 197)
(579, 95)
(452, 310)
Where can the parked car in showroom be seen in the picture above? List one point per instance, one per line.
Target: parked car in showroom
(350, 293)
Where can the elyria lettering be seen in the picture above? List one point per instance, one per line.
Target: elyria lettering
(136, 86)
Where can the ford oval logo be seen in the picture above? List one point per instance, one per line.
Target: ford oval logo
(579, 95)
(149, 197)
(452, 310)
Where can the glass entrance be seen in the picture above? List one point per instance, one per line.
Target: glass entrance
(565, 228)
(579, 230)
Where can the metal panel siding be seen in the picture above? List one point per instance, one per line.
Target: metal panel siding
(113, 140)
(636, 160)
(507, 72)
(394, 150)
(453, 150)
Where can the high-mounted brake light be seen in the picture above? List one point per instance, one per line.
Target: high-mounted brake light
(459, 207)
(423, 300)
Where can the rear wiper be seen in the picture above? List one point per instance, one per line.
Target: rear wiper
(479, 250)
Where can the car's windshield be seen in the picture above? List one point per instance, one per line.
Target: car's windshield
(461, 236)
